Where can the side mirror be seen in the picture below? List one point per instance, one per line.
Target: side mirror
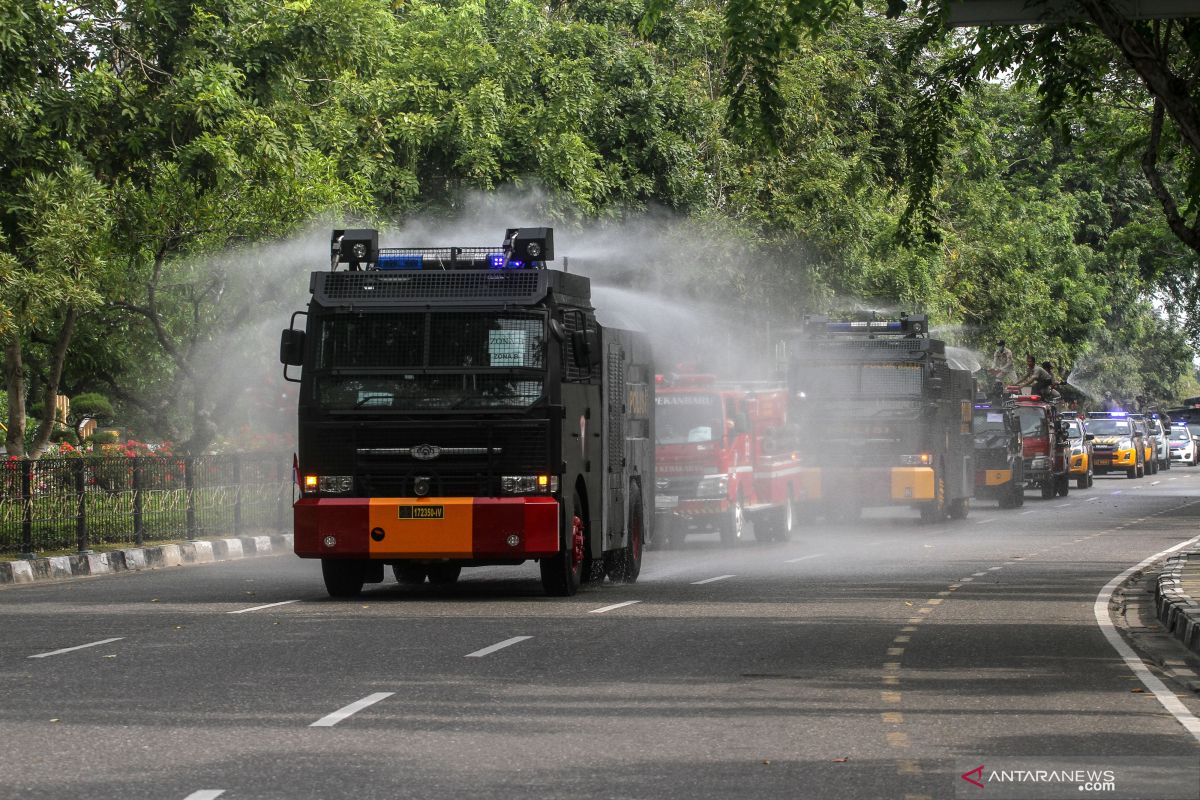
(586, 347)
(1090, 437)
(291, 348)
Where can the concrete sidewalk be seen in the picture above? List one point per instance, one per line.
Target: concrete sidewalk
(197, 551)
(1177, 598)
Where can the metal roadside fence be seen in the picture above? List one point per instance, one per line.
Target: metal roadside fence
(79, 502)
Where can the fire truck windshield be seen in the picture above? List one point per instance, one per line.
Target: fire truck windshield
(429, 360)
(1033, 421)
(687, 418)
(846, 380)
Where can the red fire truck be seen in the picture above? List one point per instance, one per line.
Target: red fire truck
(723, 460)
(1047, 450)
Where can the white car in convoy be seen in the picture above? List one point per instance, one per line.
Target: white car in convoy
(1183, 445)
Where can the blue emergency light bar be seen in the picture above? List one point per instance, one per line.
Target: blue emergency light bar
(400, 261)
(905, 326)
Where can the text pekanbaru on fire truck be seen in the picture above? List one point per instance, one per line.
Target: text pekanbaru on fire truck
(884, 415)
(461, 406)
(721, 461)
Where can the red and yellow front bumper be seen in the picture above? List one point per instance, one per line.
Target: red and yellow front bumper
(465, 528)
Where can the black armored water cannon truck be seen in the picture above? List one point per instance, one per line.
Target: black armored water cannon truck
(461, 406)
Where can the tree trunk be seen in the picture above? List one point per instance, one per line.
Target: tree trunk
(57, 359)
(14, 378)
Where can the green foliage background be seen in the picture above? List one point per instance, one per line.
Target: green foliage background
(139, 141)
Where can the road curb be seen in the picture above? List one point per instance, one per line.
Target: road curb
(136, 559)
(1175, 608)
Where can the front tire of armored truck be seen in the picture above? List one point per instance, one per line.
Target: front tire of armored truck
(960, 508)
(1049, 489)
(561, 572)
(935, 510)
(624, 565)
(408, 574)
(343, 577)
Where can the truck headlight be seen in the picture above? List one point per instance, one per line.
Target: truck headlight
(713, 486)
(1039, 462)
(529, 484)
(917, 460)
(336, 484)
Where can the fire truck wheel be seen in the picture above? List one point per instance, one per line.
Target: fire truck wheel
(1062, 484)
(1049, 490)
(443, 574)
(561, 572)
(408, 574)
(1081, 482)
(733, 527)
(343, 577)
(785, 522)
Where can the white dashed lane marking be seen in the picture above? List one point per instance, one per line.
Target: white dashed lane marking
(260, 608)
(205, 794)
(329, 720)
(711, 580)
(497, 646)
(803, 558)
(77, 647)
(613, 607)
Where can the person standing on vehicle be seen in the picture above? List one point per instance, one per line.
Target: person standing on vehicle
(1002, 362)
(1110, 404)
(1036, 376)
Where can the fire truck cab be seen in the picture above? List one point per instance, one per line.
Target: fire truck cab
(1045, 445)
(722, 462)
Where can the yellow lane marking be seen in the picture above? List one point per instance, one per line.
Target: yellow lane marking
(895, 651)
(892, 717)
(901, 639)
(891, 666)
(909, 629)
(898, 739)
(906, 766)
(937, 601)
(889, 697)
(891, 680)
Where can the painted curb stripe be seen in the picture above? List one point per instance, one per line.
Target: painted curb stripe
(1164, 695)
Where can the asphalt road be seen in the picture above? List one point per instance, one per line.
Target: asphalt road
(856, 661)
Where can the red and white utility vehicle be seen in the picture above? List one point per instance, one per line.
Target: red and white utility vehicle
(724, 459)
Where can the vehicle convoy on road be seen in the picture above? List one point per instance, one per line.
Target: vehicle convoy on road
(1045, 446)
(999, 463)
(1118, 443)
(461, 406)
(722, 460)
(886, 419)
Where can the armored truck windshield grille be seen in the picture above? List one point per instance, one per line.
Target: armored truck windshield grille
(423, 361)
(476, 340)
(837, 381)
